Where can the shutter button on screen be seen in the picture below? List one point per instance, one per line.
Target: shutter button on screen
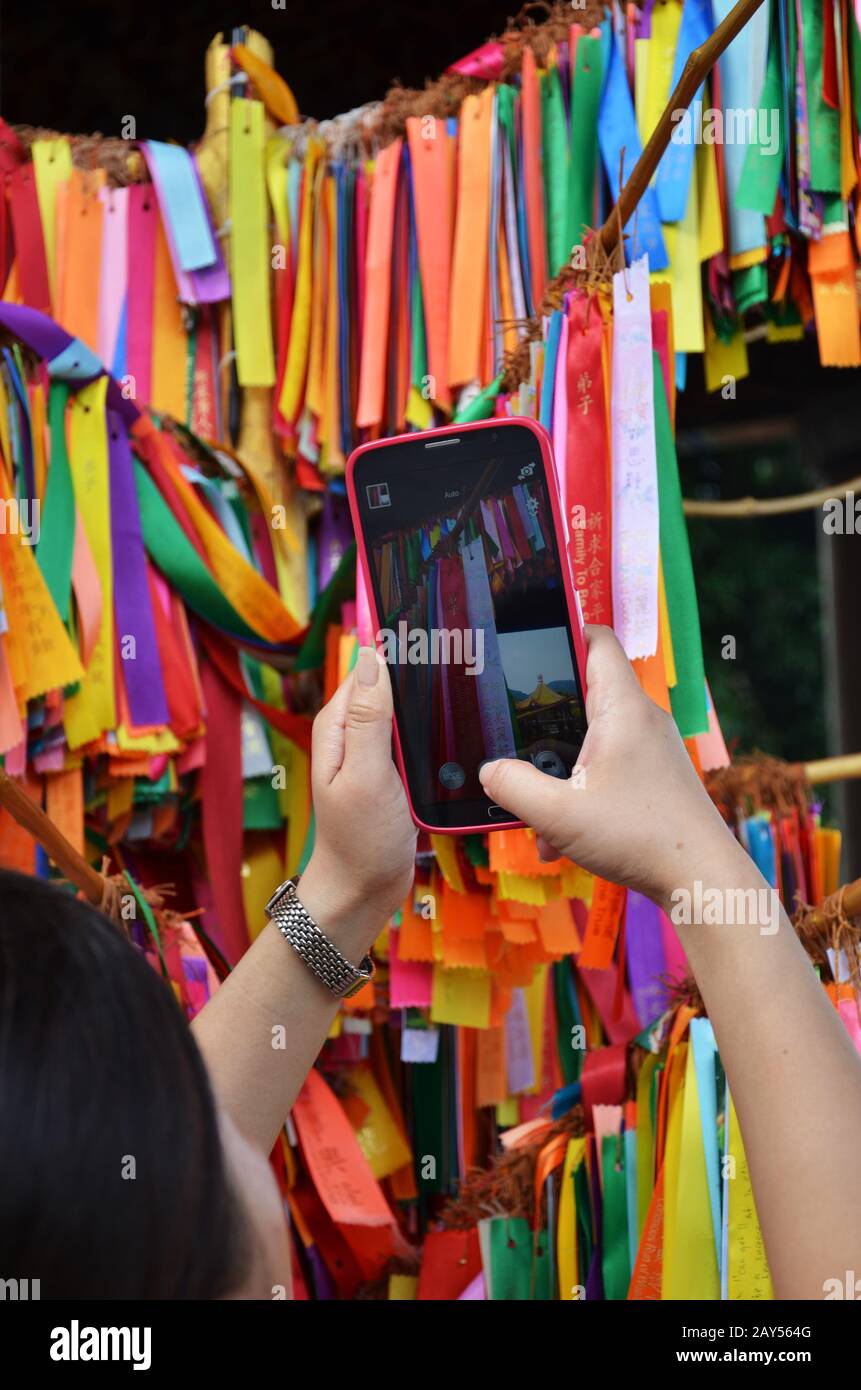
(452, 776)
(549, 762)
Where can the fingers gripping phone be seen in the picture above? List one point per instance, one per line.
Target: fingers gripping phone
(463, 552)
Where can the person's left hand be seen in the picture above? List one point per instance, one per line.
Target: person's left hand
(363, 861)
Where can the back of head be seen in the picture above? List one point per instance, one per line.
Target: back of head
(112, 1177)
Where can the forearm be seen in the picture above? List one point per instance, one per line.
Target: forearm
(261, 1032)
(795, 1078)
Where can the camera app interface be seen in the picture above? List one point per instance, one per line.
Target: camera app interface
(475, 627)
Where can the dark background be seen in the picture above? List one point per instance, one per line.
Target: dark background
(789, 595)
(78, 66)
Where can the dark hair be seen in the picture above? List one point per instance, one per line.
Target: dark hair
(97, 1067)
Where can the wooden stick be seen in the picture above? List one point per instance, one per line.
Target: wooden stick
(851, 903)
(843, 768)
(852, 899)
(52, 840)
(770, 506)
(696, 70)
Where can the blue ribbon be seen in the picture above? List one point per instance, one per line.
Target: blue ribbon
(548, 383)
(761, 847)
(181, 200)
(617, 130)
(676, 166)
(566, 1099)
(742, 61)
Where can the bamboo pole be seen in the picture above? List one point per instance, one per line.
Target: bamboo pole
(843, 768)
(770, 506)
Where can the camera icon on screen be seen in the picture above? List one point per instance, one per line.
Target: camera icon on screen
(378, 495)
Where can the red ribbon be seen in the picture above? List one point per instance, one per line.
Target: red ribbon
(33, 281)
(586, 480)
(296, 727)
(603, 1079)
(221, 792)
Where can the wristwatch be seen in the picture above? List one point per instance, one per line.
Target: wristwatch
(319, 953)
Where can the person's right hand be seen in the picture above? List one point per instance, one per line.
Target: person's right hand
(637, 813)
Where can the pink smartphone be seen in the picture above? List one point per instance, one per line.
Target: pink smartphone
(462, 547)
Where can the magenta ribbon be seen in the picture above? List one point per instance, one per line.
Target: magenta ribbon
(485, 62)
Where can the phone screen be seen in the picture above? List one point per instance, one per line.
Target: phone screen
(475, 627)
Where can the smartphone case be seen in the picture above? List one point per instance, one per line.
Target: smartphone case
(572, 597)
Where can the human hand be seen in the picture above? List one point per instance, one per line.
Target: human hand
(364, 847)
(637, 814)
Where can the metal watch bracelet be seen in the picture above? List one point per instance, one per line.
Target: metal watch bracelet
(320, 954)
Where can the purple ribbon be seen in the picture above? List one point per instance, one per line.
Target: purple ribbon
(336, 532)
(644, 948)
(324, 1285)
(44, 337)
(207, 284)
(132, 605)
(644, 26)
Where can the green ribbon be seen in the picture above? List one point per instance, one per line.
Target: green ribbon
(785, 314)
(56, 545)
(645, 1162)
(824, 123)
(260, 807)
(506, 96)
(585, 1234)
(240, 511)
(190, 360)
(150, 921)
(570, 1058)
(417, 336)
(308, 847)
(587, 80)
(749, 287)
(688, 696)
(172, 551)
(855, 64)
(151, 793)
(615, 1252)
(341, 587)
(757, 187)
(519, 1261)
(833, 210)
(476, 851)
(431, 1120)
(554, 146)
(482, 406)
